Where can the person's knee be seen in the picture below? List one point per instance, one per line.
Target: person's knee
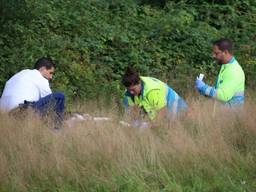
(59, 95)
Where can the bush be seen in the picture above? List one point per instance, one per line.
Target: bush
(93, 41)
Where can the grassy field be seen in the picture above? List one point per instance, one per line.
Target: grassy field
(212, 149)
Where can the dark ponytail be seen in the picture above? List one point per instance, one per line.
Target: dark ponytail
(131, 77)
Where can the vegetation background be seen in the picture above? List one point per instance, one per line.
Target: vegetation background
(92, 41)
(210, 151)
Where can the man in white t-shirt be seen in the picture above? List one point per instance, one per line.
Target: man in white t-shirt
(32, 86)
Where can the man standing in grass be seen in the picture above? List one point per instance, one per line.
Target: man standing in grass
(153, 97)
(229, 85)
(31, 87)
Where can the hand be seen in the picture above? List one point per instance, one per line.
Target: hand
(199, 84)
(136, 123)
(144, 125)
(204, 89)
(140, 124)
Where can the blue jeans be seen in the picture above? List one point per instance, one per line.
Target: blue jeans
(53, 102)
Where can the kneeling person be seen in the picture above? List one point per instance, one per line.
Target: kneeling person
(32, 87)
(153, 96)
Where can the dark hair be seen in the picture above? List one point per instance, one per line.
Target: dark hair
(224, 44)
(131, 77)
(44, 62)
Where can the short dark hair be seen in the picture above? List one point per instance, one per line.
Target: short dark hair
(223, 44)
(131, 77)
(44, 62)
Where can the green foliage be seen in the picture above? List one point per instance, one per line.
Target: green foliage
(93, 41)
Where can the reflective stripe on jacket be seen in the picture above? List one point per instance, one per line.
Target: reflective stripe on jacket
(154, 96)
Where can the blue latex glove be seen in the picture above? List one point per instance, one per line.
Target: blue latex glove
(136, 123)
(144, 125)
(199, 85)
(204, 89)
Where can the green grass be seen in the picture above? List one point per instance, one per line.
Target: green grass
(205, 151)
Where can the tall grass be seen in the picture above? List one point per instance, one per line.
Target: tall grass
(211, 149)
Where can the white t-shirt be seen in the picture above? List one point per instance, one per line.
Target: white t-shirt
(27, 85)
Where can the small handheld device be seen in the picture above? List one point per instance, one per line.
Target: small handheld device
(201, 76)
